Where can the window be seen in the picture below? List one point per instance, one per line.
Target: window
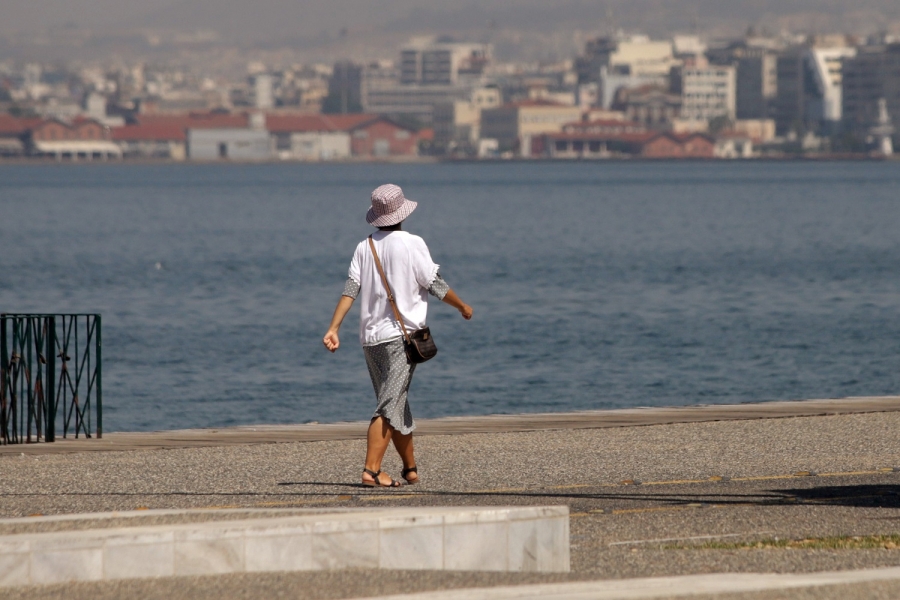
(401, 134)
(360, 134)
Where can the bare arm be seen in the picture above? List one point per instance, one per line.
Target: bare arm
(331, 340)
(453, 300)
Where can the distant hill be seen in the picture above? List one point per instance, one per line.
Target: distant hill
(361, 26)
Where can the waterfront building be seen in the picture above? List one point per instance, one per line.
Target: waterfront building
(611, 138)
(673, 145)
(332, 137)
(151, 141)
(308, 137)
(248, 144)
(601, 138)
(514, 124)
(380, 137)
(13, 132)
(82, 139)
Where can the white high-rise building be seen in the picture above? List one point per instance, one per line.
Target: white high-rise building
(263, 91)
(708, 92)
(826, 68)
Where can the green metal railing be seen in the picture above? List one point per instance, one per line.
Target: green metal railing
(50, 377)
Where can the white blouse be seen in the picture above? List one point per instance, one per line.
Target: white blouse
(410, 272)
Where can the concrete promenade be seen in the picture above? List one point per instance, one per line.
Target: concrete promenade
(647, 491)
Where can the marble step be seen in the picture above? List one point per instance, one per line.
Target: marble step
(521, 538)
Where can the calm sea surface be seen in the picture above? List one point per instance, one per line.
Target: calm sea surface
(595, 285)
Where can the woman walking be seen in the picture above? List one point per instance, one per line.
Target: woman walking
(412, 275)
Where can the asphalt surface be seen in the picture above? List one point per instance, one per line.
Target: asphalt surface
(637, 496)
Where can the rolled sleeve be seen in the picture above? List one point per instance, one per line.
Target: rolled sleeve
(351, 288)
(438, 287)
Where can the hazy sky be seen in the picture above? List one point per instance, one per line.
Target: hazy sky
(303, 16)
(263, 19)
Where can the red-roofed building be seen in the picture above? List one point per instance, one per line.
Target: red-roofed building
(196, 120)
(85, 139)
(381, 138)
(151, 141)
(323, 137)
(15, 126)
(13, 133)
(671, 145)
(610, 138)
(165, 135)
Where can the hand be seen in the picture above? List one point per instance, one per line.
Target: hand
(466, 311)
(331, 341)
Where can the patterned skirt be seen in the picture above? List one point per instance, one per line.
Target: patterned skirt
(391, 375)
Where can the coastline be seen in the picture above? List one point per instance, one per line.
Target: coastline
(419, 160)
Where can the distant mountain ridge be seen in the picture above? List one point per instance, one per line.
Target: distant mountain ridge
(279, 18)
(355, 25)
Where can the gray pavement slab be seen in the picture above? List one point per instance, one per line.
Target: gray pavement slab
(789, 476)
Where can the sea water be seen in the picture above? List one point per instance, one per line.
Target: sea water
(594, 284)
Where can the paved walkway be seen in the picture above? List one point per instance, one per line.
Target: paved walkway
(645, 501)
(690, 586)
(600, 419)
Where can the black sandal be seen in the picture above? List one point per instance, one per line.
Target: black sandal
(377, 482)
(406, 472)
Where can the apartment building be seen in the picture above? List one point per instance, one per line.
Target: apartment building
(825, 84)
(427, 61)
(870, 76)
(458, 123)
(708, 92)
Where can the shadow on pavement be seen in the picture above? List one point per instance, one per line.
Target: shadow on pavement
(868, 496)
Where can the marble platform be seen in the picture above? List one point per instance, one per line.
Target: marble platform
(528, 538)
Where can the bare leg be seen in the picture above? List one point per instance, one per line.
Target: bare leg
(377, 440)
(404, 446)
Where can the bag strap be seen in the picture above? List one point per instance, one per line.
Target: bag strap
(390, 294)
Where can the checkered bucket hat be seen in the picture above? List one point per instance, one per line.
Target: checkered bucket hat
(389, 206)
